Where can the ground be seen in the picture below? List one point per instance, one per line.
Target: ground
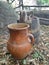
(40, 56)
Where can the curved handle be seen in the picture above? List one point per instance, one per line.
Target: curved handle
(31, 37)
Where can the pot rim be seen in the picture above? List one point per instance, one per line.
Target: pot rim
(10, 26)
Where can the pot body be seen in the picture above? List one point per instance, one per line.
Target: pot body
(19, 44)
(35, 29)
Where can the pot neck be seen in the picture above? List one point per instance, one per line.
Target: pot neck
(20, 33)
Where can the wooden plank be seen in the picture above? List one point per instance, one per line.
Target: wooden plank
(43, 18)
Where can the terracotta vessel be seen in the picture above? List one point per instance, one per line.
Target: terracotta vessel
(19, 44)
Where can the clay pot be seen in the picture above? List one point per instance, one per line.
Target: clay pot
(35, 29)
(33, 21)
(20, 41)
